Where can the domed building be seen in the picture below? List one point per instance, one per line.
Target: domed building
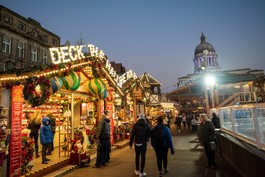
(205, 57)
(230, 87)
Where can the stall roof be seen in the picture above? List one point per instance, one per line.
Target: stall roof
(147, 78)
(235, 78)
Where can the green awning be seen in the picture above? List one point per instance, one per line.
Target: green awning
(235, 78)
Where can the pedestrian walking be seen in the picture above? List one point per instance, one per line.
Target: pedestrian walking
(193, 123)
(206, 135)
(216, 121)
(165, 120)
(46, 138)
(161, 140)
(188, 119)
(184, 121)
(139, 136)
(34, 126)
(103, 139)
(178, 122)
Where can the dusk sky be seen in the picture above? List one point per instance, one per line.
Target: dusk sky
(157, 36)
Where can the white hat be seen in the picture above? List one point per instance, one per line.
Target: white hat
(141, 116)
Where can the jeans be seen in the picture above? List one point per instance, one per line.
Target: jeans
(102, 152)
(43, 153)
(140, 151)
(161, 156)
(35, 137)
(210, 155)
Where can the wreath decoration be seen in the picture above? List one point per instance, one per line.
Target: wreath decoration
(36, 90)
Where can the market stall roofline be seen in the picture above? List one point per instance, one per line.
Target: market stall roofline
(38, 74)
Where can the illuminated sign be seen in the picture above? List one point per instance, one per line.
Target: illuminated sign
(66, 54)
(71, 53)
(188, 81)
(120, 80)
(167, 105)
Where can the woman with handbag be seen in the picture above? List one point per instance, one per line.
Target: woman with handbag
(207, 139)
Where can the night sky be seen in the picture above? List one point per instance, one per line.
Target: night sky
(157, 36)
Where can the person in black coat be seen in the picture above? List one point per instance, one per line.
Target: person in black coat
(207, 134)
(216, 121)
(103, 138)
(34, 126)
(178, 122)
(139, 136)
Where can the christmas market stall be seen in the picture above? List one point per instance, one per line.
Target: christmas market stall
(73, 92)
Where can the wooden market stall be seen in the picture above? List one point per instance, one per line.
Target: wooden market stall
(75, 90)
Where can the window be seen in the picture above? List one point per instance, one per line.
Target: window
(22, 27)
(45, 60)
(6, 45)
(20, 50)
(45, 37)
(54, 41)
(34, 55)
(8, 19)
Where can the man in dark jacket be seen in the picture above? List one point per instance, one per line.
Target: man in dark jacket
(103, 138)
(216, 121)
(139, 136)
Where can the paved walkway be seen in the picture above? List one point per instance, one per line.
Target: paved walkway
(188, 161)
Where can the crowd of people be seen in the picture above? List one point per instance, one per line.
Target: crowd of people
(159, 133)
(161, 141)
(142, 131)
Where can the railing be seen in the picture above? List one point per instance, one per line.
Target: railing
(247, 97)
(246, 122)
(240, 97)
(229, 99)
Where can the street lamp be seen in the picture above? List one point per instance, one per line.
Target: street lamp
(210, 82)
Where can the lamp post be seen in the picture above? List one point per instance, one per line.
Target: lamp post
(210, 82)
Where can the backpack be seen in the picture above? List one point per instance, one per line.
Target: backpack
(157, 136)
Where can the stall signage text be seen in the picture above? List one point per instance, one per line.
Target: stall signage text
(120, 80)
(71, 53)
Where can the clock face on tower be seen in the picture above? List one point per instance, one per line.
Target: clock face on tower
(205, 52)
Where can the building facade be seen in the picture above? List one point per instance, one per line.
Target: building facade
(230, 87)
(24, 42)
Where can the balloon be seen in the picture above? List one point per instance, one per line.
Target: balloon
(96, 86)
(103, 95)
(77, 82)
(54, 86)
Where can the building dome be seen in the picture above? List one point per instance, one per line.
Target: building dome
(205, 58)
(203, 46)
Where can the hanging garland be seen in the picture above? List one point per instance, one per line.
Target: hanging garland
(36, 90)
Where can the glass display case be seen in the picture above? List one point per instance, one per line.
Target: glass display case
(246, 122)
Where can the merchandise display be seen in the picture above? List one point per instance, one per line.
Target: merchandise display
(4, 133)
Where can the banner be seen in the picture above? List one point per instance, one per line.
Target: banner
(16, 126)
